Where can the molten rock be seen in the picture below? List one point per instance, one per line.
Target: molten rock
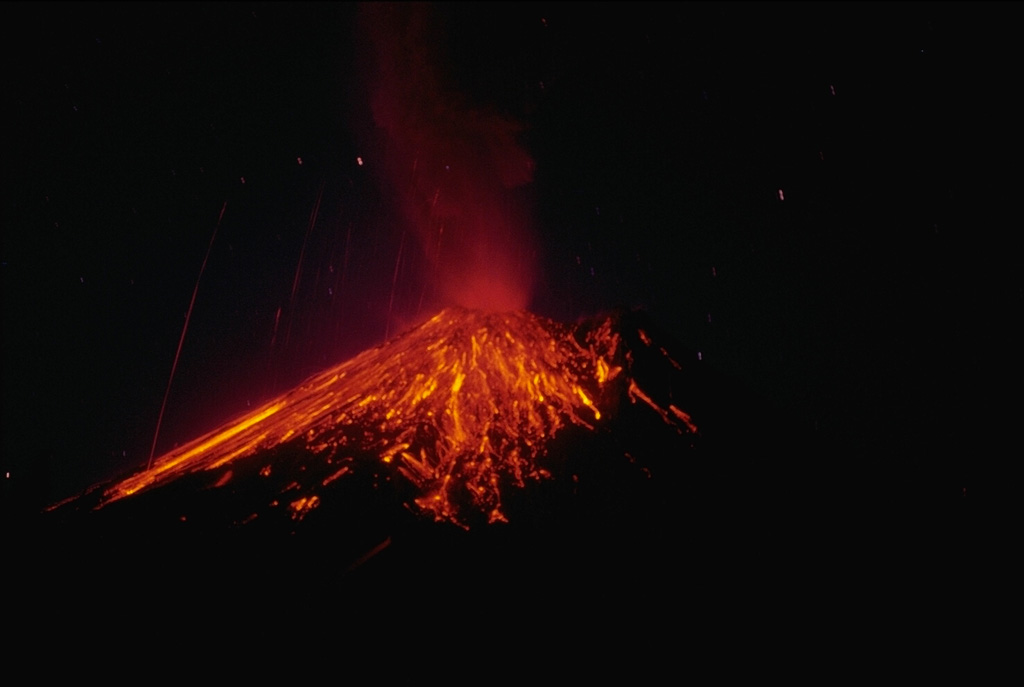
(462, 408)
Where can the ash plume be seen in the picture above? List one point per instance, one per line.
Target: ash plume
(458, 172)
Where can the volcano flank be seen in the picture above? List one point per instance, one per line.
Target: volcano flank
(472, 427)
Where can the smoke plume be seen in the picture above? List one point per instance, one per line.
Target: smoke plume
(458, 171)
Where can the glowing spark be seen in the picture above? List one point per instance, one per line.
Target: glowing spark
(458, 383)
(302, 507)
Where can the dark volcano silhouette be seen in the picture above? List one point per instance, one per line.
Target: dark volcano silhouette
(476, 447)
(482, 465)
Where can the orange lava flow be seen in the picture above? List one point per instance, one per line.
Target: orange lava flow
(459, 407)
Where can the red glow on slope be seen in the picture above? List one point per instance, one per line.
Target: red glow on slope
(454, 169)
(457, 415)
(462, 407)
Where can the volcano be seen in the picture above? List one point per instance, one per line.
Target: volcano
(473, 437)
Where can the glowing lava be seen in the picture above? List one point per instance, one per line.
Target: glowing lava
(460, 407)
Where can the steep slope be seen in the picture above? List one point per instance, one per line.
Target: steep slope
(451, 417)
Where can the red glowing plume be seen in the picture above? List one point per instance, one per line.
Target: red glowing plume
(454, 169)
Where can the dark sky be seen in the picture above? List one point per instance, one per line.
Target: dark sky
(810, 195)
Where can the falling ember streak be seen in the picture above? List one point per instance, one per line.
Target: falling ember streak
(588, 403)
(181, 340)
(335, 476)
(370, 554)
(277, 322)
(685, 418)
(314, 213)
(302, 507)
(636, 393)
(394, 284)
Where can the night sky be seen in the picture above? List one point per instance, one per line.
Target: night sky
(808, 196)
